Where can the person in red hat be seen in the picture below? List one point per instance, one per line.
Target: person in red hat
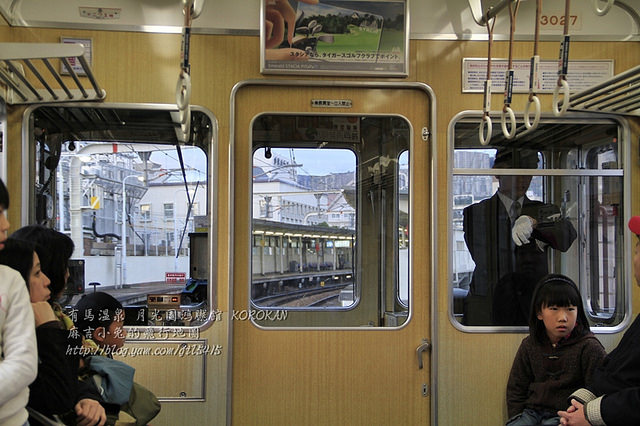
(613, 397)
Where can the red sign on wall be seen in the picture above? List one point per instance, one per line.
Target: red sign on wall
(175, 277)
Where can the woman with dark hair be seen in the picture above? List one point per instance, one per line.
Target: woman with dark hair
(19, 360)
(57, 391)
(18, 255)
(55, 250)
(559, 355)
(21, 256)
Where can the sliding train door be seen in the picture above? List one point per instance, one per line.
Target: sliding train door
(331, 252)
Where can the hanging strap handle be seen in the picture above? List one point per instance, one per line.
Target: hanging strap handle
(563, 66)
(183, 87)
(534, 77)
(486, 105)
(508, 84)
(601, 11)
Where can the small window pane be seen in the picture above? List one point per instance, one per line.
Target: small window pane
(305, 202)
(403, 228)
(577, 225)
(145, 212)
(336, 189)
(132, 242)
(168, 211)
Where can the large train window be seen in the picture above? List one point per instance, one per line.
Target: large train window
(135, 201)
(329, 220)
(550, 201)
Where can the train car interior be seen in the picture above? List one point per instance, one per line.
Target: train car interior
(287, 196)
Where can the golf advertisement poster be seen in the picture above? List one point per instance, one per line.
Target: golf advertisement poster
(334, 37)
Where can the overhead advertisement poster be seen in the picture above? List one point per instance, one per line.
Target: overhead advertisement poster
(333, 37)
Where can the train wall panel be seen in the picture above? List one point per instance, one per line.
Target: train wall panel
(136, 67)
(151, 360)
(473, 366)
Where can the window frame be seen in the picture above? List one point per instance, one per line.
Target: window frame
(211, 152)
(145, 213)
(306, 244)
(166, 207)
(357, 294)
(624, 161)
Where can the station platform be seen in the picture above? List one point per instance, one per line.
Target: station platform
(132, 294)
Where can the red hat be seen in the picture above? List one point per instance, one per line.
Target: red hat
(634, 225)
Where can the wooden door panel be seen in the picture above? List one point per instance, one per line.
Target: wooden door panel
(330, 376)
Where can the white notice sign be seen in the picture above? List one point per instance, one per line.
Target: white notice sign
(75, 64)
(581, 74)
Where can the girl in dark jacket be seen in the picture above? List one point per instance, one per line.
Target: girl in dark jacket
(559, 355)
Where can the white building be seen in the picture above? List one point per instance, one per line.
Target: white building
(123, 199)
(278, 196)
(161, 214)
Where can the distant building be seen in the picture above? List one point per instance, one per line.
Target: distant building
(156, 202)
(281, 194)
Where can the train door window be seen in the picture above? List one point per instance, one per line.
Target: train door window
(403, 229)
(118, 182)
(551, 201)
(335, 188)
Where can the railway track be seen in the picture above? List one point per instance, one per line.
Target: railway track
(314, 297)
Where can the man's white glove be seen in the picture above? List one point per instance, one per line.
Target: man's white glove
(522, 229)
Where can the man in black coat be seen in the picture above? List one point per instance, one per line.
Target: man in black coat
(508, 236)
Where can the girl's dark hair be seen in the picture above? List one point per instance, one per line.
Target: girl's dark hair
(556, 290)
(4, 195)
(54, 250)
(18, 255)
